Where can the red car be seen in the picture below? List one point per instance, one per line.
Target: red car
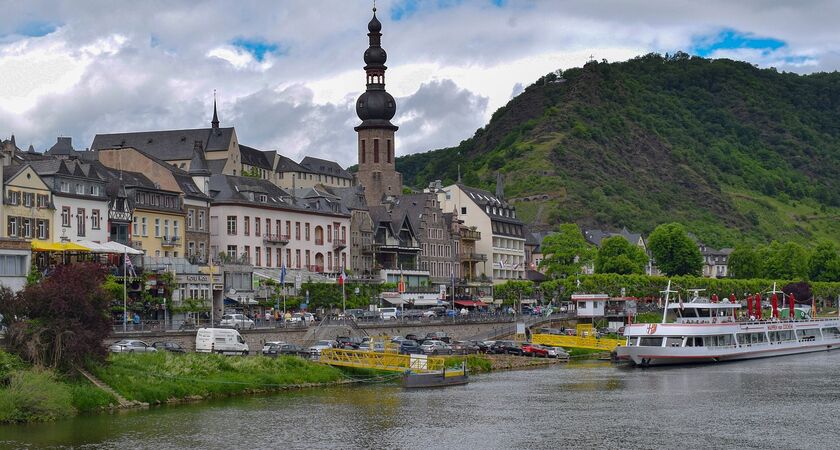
(534, 350)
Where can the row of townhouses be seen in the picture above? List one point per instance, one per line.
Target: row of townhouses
(221, 217)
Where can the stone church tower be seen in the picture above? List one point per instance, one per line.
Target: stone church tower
(376, 107)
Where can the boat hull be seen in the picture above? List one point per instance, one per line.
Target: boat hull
(659, 356)
(433, 379)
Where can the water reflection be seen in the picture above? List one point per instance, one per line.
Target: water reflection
(765, 403)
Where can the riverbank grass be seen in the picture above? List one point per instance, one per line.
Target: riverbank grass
(475, 363)
(163, 376)
(31, 394)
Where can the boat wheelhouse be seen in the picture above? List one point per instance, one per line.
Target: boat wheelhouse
(700, 331)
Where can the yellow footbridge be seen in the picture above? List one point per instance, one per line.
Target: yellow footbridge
(388, 361)
(585, 338)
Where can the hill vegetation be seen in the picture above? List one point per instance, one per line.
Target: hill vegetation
(735, 153)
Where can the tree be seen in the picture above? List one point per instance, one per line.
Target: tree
(60, 321)
(801, 291)
(824, 264)
(510, 291)
(675, 253)
(786, 261)
(745, 262)
(565, 252)
(617, 255)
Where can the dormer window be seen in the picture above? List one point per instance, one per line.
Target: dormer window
(263, 198)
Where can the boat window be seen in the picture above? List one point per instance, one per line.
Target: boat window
(831, 332)
(810, 334)
(703, 312)
(674, 342)
(650, 342)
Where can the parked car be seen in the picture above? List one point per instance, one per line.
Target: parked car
(482, 346)
(413, 337)
(348, 343)
(534, 350)
(220, 340)
(319, 346)
(173, 347)
(268, 344)
(430, 313)
(285, 349)
(389, 313)
(370, 346)
(410, 347)
(438, 336)
(237, 321)
(464, 348)
(413, 314)
(435, 347)
(130, 346)
(557, 352)
(355, 313)
(506, 347)
(302, 318)
(397, 339)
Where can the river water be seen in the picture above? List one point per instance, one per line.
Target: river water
(789, 402)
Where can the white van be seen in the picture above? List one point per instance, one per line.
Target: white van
(388, 313)
(220, 340)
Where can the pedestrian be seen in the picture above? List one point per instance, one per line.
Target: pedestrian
(267, 316)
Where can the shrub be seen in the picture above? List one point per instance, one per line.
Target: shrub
(34, 396)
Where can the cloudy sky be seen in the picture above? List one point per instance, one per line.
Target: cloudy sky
(288, 73)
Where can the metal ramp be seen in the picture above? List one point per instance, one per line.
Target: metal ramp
(588, 342)
(392, 362)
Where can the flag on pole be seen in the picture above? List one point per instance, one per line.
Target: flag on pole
(283, 274)
(342, 277)
(129, 267)
(401, 285)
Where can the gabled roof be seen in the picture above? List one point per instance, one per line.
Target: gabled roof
(285, 164)
(391, 219)
(484, 198)
(254, 157)
(596, 236)
(325, 167)
(11, 171)
(63, 146)
(353, 198)
(413, 206)
(247, 190)
(167, 145)
(216, 166)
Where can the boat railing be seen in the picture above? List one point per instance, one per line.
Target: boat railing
(775, 322)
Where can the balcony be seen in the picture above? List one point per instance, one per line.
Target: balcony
(470, 235)
(367, 248)
(391, 243)
(339, 244)
(170, 241)
(315, 268)
(319, 241)
(281, 239)
(473, 257)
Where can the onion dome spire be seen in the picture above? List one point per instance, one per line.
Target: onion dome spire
(376, 107)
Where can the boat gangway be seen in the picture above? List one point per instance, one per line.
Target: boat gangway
(392, 362)
(588, 342)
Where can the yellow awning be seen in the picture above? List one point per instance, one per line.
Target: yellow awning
(45, 246)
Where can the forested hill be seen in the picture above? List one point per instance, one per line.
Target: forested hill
(732, 151)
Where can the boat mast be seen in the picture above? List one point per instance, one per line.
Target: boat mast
(667, 292)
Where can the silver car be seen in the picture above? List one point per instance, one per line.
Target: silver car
(237, 321)
(130, 346)
(436, 348)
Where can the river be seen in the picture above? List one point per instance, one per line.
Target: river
(789, 402)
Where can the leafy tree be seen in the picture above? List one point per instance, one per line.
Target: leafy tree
(675, 253)
(60, 321)
(510, 291)
(787, 261)
(824, 264)
(745, 262)
(617, 255)
(565, 251)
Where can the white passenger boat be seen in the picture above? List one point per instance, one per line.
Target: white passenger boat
(702, 331)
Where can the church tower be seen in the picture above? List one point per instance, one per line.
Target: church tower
(376, 107)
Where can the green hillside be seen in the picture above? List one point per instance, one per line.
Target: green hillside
(732, 151)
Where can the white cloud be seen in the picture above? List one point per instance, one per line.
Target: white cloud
(448, 68)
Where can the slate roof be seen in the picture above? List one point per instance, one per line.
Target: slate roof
(63, 146)
(285, 164)
(412, 205)
(596, 236)
(254, 157)
(51, 167)
(353, 198)
(216, 166)
(169, 144)
(393, 219)
(325, 167)
(11, 171)
(484, 198)
(246, 190)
